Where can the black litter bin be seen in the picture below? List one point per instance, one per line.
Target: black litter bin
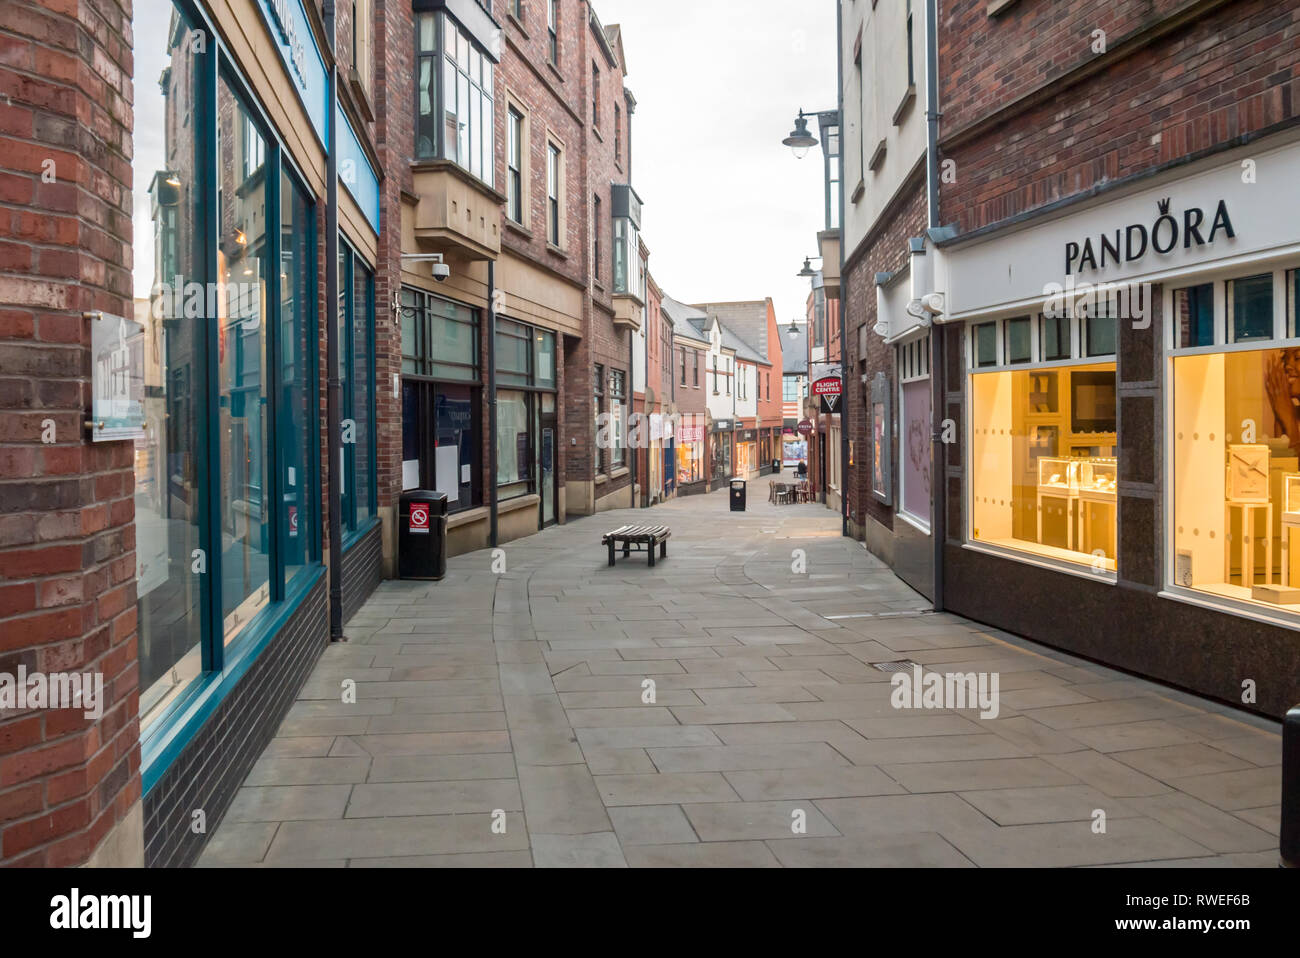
(422, 535)
(738, 495)
(776, 466)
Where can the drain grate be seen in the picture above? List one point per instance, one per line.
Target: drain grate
(902, 665)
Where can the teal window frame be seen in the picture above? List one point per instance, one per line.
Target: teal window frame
(165, 737)
(354, 527)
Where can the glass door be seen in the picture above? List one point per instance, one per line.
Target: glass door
(547, 486)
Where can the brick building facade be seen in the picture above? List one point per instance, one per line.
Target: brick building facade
(69, 785)
(1119, 151)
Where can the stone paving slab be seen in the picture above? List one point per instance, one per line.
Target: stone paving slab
(506, 720)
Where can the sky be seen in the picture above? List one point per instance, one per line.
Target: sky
(729, 212)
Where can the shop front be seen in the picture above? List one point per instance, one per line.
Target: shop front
(233, 126)
(747, 453)
(721, 453)
(1132, 421)
(691, 466)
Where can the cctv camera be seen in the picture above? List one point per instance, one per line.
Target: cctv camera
(441, 271)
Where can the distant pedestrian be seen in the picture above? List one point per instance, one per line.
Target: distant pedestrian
(801, 470)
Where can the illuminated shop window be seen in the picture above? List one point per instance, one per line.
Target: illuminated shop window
(1236, 446)
(1044, 468)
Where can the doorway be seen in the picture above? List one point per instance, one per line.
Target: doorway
(548, 433)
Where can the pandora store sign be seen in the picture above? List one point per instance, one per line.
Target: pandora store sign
(1189, 227)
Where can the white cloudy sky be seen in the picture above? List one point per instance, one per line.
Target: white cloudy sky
(729, 212)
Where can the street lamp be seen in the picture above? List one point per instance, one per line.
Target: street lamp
(793, 331)
(800, 140)
(807, 272)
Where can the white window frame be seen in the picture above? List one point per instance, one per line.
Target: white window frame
(912, 360)
(1077, 358)
(1279, 266)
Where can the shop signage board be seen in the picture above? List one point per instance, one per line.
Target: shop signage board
(117, 378)
(806, 427)
(829, 391)
(1167, 231)
(286, 20)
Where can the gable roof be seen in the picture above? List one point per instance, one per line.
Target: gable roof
(747, 322)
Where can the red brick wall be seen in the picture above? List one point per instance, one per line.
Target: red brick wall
(67, 536)
(603, 343)
(887, 251)
(1232, 72)
(769, 407)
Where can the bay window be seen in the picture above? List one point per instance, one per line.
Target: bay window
(454, 81)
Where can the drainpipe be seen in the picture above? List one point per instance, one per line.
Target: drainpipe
(938, 405)
(492, 402)
(844, 290)
(334, 389)
(630, 386)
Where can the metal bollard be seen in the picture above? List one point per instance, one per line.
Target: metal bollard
(1290, 843)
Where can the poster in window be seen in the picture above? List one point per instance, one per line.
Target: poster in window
(881, 440)
(916, 452)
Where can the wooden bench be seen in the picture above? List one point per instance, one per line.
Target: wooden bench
(644, 538)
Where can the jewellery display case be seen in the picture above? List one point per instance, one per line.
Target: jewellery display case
(1098, 486)
(1099, 477)
(1059, 479)
(1058, 475)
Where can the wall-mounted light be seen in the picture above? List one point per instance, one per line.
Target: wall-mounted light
(800, 140)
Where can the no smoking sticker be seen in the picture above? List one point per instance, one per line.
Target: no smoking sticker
(419, 519)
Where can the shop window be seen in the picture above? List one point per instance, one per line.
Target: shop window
(986, 344)
(227, 494)
(1250, 308)
(299, 350)
(356, 312)
(690, 456)
(1194, 314)
(1043, 462)
(441, 398)
(617, 403)
(514, 443)
(170, 479)
(1236, 465)
(241, 361)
